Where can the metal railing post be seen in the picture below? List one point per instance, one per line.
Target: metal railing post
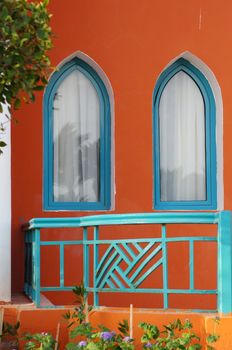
(27, 267)
(95, 263)
(85, 258)
(225, 262)
(37, 267)
(165, 267)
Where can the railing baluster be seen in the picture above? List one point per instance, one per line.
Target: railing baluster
(191, 264)
(61, 264)
(95, 263)
(37, 267)
(27, 263)
(225, 262)
(85, 258)
(165, 267)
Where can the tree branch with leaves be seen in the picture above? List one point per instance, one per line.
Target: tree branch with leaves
(25, 39)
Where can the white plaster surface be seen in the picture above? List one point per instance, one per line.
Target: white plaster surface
(5, 214)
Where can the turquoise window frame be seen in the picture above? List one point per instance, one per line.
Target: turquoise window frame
(105, 139)
(210, 139)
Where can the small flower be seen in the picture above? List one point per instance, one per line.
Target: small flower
(82, 343)
(127, 339)
(148, 345)
(44, 333)
(107, 335)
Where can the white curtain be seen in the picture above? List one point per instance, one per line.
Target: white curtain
(76, 133)
(182, 140)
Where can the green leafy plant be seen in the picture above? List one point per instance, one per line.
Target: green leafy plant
(213, 337)
(81, 312)
(123, 327)
(85, 336)
(101, 338)
(25, 38)
(42, 341)
(175, 336)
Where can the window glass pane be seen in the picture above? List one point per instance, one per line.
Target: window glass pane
(182, 140)
(76, 135)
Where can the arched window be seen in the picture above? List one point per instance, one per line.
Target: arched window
(76, 140)
(184, 140)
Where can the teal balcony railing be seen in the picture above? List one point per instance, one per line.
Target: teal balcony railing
(122, 265)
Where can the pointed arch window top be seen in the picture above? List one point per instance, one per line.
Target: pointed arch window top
(184, 139)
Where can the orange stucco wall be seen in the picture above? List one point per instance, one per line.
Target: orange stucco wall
(132, 41)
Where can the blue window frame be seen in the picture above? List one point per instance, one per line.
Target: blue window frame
(103, 146)
(210, 200)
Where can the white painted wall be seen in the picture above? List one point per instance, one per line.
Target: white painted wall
(5, 214)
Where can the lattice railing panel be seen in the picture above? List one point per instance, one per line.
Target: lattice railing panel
(135, 257)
